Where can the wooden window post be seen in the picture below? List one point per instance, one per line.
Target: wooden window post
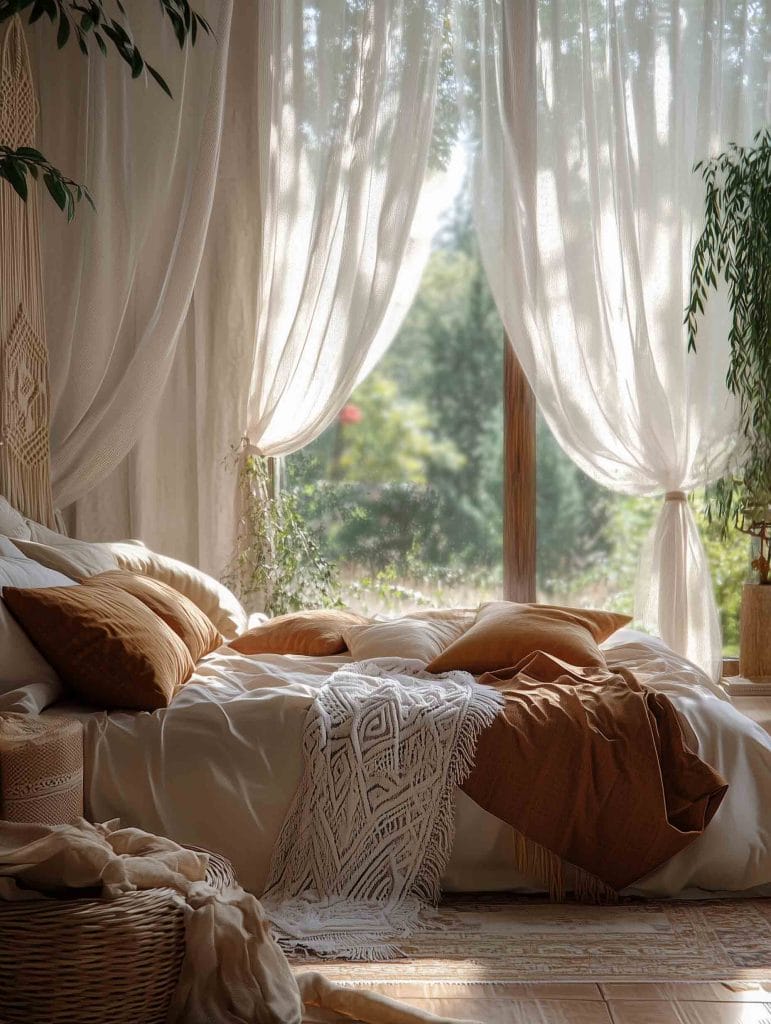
(519, 482)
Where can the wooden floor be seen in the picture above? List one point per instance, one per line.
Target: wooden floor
(598, 1003)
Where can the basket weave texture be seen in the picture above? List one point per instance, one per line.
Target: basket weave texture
(41, 769)
(95, 961)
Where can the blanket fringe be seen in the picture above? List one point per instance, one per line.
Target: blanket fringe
(557, 876)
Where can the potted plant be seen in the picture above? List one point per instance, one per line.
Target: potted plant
(734, 250)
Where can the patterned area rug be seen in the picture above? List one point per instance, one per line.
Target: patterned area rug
(496, 939)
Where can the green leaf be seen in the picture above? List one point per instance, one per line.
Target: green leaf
(30, 151)
(160, 80)
(13, 172)
(37, 12)
(56, 188)
(137, 64)
(64, 30)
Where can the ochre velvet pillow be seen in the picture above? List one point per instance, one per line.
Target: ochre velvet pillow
(106, 645)
(194, 629)
(505, 632)
(315, 633)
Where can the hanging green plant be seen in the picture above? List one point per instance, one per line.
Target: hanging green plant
(735, 249)
(278, 566)
(105, 24)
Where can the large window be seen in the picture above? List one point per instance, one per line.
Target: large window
(405, 491)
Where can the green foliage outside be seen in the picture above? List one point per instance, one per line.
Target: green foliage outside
(404, 492)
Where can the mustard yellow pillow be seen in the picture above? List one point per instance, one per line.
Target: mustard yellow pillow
(106, 645)
(316, 633)
(194, 629)
(505, 632)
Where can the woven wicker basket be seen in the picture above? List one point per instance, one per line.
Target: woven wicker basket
(93, 961)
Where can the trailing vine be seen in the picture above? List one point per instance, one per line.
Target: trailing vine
(278, 566)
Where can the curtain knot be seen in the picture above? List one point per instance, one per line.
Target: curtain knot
(675, 496)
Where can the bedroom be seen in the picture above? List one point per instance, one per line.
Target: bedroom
(440, 327)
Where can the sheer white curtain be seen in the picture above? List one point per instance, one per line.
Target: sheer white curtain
(589, 119)
(345, 102)
(314, 248)
(118, 282)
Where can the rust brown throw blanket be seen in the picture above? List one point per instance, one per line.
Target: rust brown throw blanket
(594, 771)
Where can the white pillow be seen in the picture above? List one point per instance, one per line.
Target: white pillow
(212, 597)
(12, 523)
(79, 558)
(20, 662)
(419, 639)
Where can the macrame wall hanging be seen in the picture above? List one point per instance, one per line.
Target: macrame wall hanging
(25, 476)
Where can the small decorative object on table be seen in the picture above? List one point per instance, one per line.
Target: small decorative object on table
(41, 769)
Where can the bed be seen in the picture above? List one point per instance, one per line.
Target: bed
(219, 766)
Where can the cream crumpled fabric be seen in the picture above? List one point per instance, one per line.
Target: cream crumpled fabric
(233, 971)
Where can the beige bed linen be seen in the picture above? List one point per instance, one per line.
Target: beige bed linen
(219, 767)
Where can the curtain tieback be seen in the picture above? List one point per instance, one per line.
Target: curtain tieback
(675, 496)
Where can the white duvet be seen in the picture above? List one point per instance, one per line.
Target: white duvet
(219, 767)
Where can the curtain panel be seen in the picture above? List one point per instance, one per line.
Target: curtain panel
(118, 282)
(345, 130)
(587, 121)
(315, 240)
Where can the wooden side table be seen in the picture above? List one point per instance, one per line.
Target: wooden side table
(41, 769)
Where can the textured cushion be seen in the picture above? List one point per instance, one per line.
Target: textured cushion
(316, 633)
(187, 620)
(504, 633)
(106, 645)
(421, 636)
(21, 664)
(12, 523)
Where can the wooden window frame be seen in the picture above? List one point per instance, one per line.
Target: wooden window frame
(519, 482)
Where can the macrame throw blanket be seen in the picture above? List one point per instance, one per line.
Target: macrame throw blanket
(359, 859)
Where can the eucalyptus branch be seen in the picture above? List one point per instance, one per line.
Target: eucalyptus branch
(106, 24)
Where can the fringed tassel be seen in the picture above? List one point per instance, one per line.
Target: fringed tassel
(557, 876)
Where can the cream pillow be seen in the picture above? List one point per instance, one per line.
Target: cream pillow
(415, 637)
(213, 598)
(78, 558)
(21, 664)
(73, 558)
